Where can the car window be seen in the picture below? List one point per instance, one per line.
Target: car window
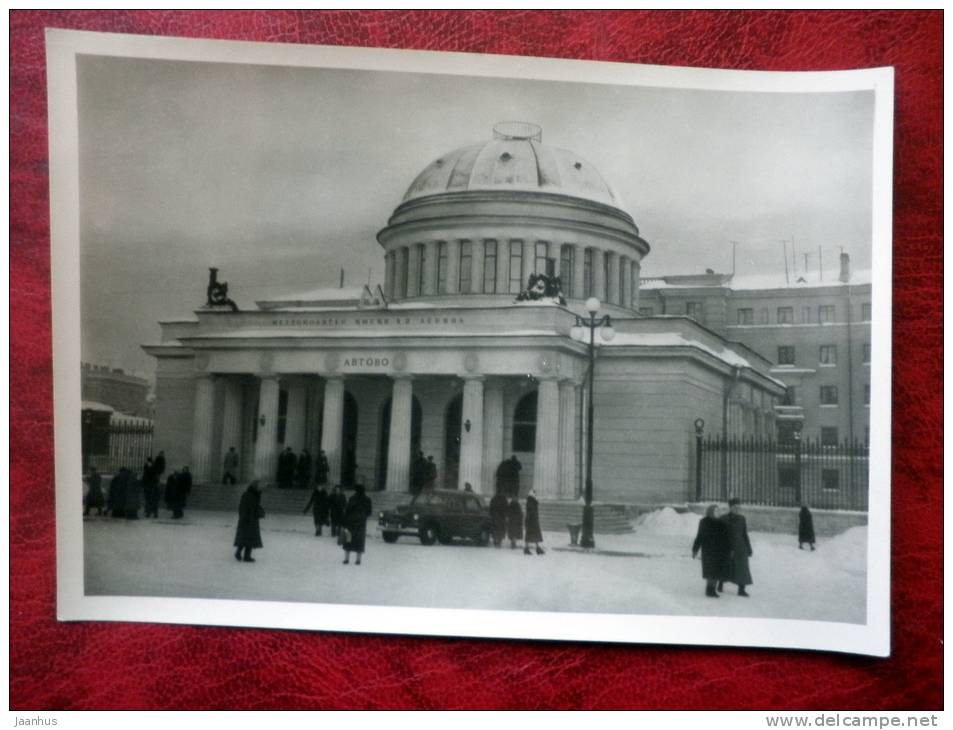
(435, 500)
(472, 504)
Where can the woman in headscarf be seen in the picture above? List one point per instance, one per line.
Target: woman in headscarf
(712, 541)
(533, 532)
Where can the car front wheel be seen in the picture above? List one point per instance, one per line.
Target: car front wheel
(390, 536)
(428, 535)
(483, 539)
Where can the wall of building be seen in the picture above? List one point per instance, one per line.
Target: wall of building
(175, 400)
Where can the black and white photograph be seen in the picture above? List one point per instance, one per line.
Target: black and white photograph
(408, 342)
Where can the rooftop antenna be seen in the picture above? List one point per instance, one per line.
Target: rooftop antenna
(784, 244)
(734, 251)
(793, 256)
(805, 255)
(820, 264)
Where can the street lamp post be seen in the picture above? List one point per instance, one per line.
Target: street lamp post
(587, 539)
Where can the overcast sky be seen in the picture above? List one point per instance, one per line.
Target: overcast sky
(283, 176)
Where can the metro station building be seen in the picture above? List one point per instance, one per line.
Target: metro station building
(442, 358)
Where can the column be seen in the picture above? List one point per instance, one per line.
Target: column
(294, 419)
(333, 425)
(636, 275)
(203, 424)
(546, 467)
(471, 441)
(502, 266)
(477, 252)
(453, 266)
(598, 274)
(231, 422)
(430, 268)
(413, 271)
(400, 255)
(266, 443)
(578, 271)
(398, 445)
(316, 400)
(389, 274)
(529, 262)
(567, 439)
(625, 265)
(492, 433)
(612, 286)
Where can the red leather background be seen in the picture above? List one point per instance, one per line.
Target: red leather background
(100, 666)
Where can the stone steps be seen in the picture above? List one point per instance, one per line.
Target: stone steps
(553, 516)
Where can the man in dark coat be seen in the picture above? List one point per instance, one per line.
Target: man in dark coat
(336, 510)
(150, 488)
(514, 522)
(355, 523)
(712, 541)
(321, 468)
(740, 548)
(319, 505)
(304, 469)
(286, 468)
(533, 532)
(94, 497)
(133, 496)
(418, 468)
(248, 533)
(508, 476)
(117, 493)
(182, 491)
(159, 464)
(805, 528)
(498, 509)
(172, 491)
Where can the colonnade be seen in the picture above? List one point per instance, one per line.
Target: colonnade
(489, 266)
(481, 435)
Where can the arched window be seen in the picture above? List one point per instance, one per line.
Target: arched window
(524, 424)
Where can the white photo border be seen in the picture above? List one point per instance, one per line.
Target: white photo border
(63, 46)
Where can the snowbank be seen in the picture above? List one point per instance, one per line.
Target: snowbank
(848, 550)
(667, 521)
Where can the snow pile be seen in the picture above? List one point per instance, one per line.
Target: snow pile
(667, 521)
(848, 550)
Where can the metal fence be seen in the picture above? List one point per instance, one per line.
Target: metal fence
(116, 445)
(763, 471)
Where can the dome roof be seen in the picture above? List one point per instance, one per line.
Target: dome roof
(515, 159)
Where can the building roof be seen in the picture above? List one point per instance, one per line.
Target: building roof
(752, 282)
(91, 405)
(515, 159)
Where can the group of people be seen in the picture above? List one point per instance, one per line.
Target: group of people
(129, 492)
(294, 470)
(423, 472)
(346, 516)
(508, 521)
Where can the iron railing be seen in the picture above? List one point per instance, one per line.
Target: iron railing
(763, 471)
(117, 445)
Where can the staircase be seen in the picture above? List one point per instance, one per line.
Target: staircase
(610, 519)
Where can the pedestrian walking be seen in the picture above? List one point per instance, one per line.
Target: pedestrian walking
(133, 496)
(94, 497)
(248, 532)
(498, 509)
(336, 510)
(321, 468)
(231, 466)
(805, 528)
(150, 488)
(303, 473)
(116, 500)
(159, 464)
(183, 488)
(355, 524)
(739, 545)
(514, 522)
(533, 532)
(712, 542)
(171, 494)
(319, 504)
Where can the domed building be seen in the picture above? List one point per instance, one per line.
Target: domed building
(468, 353)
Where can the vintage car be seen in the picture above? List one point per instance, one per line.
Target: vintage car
(438, 516)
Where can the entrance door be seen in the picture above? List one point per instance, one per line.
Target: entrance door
(349, 441)
(451, 454)
(416, 419)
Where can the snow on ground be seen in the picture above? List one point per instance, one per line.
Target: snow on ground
(649, 571)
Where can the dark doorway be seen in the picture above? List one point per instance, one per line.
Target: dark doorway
(416, 418)
(349, 441)
(451, 454)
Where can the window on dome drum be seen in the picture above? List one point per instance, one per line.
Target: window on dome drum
(633, 294)
(622, 273)
(865, 311)
(646, 311)
(524, 424)
(745, 316)
(542, 256)
(422, 258)
(466, 266)
(785, 354)
(489, 266)
(605, 273)
(516, 266)
(402, 274)
(566, 254)
(694, 310)
(866, 394)
(828, 395)
(866, 352)
(825, 313)
(441, 267)
(827, 355)
(829, 436)
(587, 273)
(785, 315)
